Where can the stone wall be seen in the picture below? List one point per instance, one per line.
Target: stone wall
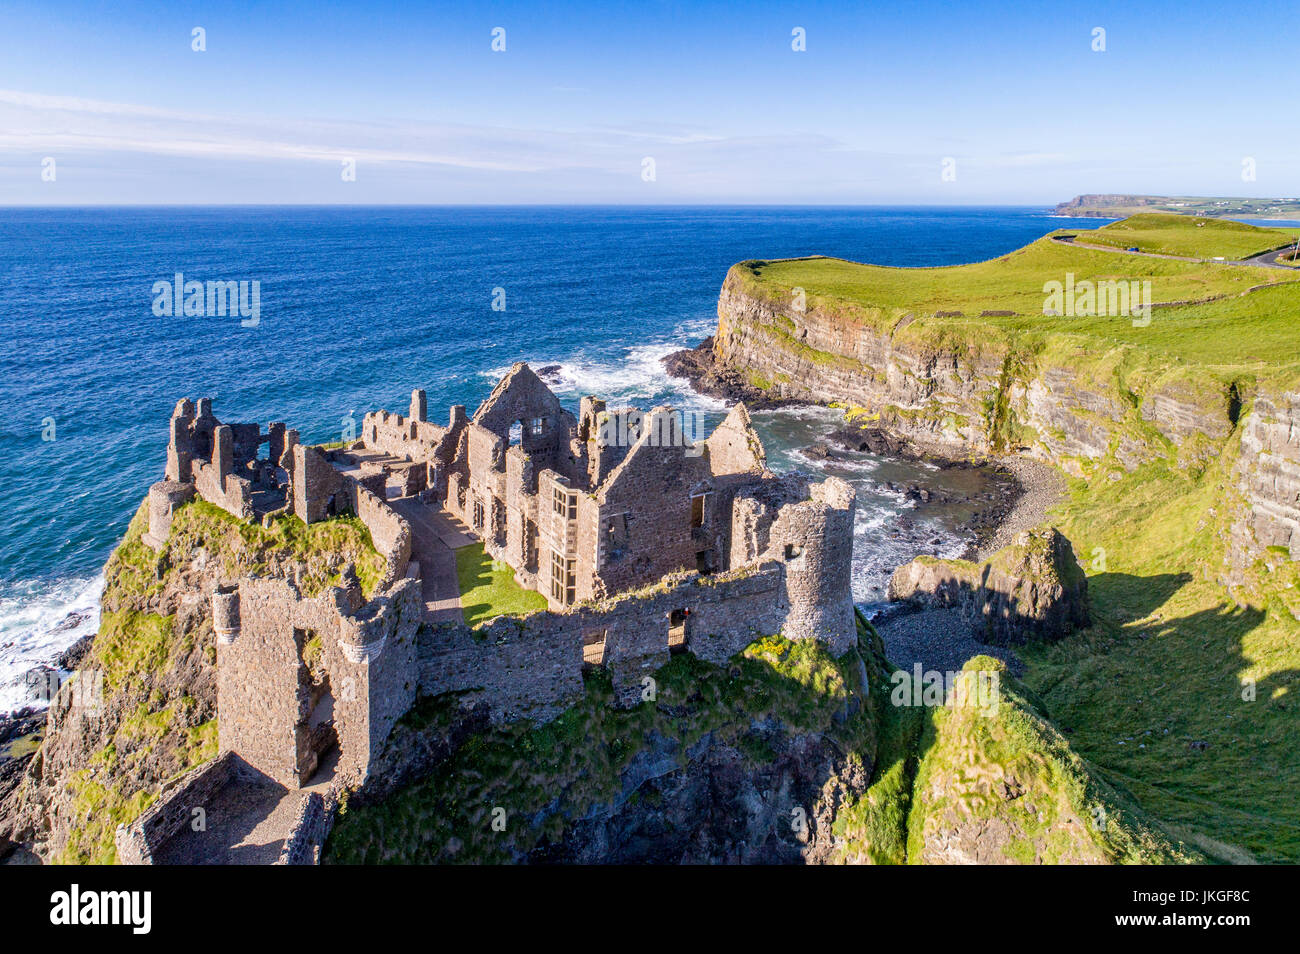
(310, 828)
(164, 499)
(389, 532)
(814, 539)
(532, 667)
(174, 809)
(217, 483)
(297, 675)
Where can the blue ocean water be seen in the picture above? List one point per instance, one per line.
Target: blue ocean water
(357, 307)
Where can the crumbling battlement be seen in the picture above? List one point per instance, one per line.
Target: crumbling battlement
(298, 677)
(532, 667)
(221, 460)
(428, 448)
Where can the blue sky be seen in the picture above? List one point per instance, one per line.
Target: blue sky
(583, 94)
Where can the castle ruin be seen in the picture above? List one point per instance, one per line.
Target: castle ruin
(643, 541)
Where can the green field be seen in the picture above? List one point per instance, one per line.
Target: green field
(1233, 319)
(1013, 282)
(1176, 692)
(488, 589)
(1190, 237)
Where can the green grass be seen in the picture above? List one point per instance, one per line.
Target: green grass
(488, 588)
(1153, 691)
(148, 661)
(878, 296)
(546, 777)
(1155, 694)
(1167, 234)
(1006, 778)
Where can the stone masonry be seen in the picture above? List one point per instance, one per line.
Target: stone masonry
(644, 542)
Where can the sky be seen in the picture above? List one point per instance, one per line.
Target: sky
(643, 103)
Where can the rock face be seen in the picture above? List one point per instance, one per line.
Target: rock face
(690, 815)
(1268, 476)
(1032, 590)
(981, 392)
(141, 708)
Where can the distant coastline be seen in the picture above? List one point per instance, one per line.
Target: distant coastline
(1118, 206)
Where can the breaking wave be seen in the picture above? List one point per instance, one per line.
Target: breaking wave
(38, 621)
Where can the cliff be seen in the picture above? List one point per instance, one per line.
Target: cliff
(1096, 396)
(1117, 205)
(781, 755)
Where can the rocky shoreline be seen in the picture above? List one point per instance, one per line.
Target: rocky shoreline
(23, 730)
(1020, 491)
(1020, 495)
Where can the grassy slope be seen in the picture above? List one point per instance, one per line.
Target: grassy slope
(488, 588)
(877, 295)
(1158, 691)
(1167, 234)
(140, 651)
(547, 776)
(1011, 766)
(942, 769)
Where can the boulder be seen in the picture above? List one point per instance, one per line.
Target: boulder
(1031, 590)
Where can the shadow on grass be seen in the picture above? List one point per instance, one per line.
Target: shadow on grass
(488, 588)
(1183, 710)
(1121, 598)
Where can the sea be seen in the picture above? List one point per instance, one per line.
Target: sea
(355, 308)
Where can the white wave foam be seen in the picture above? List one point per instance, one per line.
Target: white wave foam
(30, 635)
(638, 376)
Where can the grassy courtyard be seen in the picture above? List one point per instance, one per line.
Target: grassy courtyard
(488, 588)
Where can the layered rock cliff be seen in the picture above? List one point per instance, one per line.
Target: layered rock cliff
(1094, 408)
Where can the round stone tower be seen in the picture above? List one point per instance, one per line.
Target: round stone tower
(814, 541)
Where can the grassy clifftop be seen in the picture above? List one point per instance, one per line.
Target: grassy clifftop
(1236, 322)
(1011, 282)
(1166, 234)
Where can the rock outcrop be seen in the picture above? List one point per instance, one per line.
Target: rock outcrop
(141, 707)
(1268, 476)
(1000, 784)
(1031, 590)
